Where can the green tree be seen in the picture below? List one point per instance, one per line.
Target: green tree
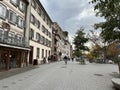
(110, 11)
(79, 41)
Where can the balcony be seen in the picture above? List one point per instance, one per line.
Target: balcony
(14, 41)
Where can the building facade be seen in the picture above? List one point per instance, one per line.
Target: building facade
(14, 40)
(60, 43)
(40, 33)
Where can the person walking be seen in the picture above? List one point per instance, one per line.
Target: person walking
(65, 59)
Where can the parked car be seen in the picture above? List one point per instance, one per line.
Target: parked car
(110, 61)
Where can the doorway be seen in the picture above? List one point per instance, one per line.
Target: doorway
(31, 55)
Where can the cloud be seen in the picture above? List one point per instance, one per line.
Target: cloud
(72, 14)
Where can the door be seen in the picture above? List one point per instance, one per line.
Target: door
(31, 55)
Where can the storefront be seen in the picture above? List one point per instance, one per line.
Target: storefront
(13, 58)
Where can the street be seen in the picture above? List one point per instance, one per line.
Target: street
(58, 76)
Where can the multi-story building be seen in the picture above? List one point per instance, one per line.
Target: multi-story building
(56, 42)
(40, 33)
(65, 45)
(60, 43)
(14, 40)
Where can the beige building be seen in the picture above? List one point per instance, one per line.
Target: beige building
(60, 43)
(14, 40)
(40, 33)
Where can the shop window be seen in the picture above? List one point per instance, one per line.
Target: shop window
(22, 6)
(14, 2)
(12, 17)
(2, 11)
(21, 22)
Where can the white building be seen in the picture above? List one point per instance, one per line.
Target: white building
(40, 33)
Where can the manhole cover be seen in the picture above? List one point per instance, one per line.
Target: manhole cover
(13, 82)
(63, 67)
(98, 74)
(20, 80)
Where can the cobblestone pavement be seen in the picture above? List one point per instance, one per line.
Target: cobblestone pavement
(58, 76)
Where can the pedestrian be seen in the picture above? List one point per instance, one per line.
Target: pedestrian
(65, 59)
(49, 59)
(72, 59)
(44, 60)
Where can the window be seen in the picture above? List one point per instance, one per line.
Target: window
(2, 11)
(22, 6)
(49, 34)
(37, 23)
(38, 53)
(12, 17)
(46, 53)
(14, 2)
(19, 39)
(43, 29)
(42, 53)
(38, 37)
(32, 19)
(43, 40)
(20, 22)
(1, 34)
(31, 36)
(43, 16)
(11, 37)
(39, 11)
(49, 24)
(33, 4)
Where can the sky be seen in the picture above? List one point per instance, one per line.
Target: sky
(72, 14)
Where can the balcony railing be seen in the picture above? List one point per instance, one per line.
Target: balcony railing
(20, 42)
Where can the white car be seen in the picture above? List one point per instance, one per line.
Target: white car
(110, 61)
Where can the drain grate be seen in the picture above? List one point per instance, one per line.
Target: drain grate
(98, 75)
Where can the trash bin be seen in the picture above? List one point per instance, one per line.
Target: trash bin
(35, 62)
